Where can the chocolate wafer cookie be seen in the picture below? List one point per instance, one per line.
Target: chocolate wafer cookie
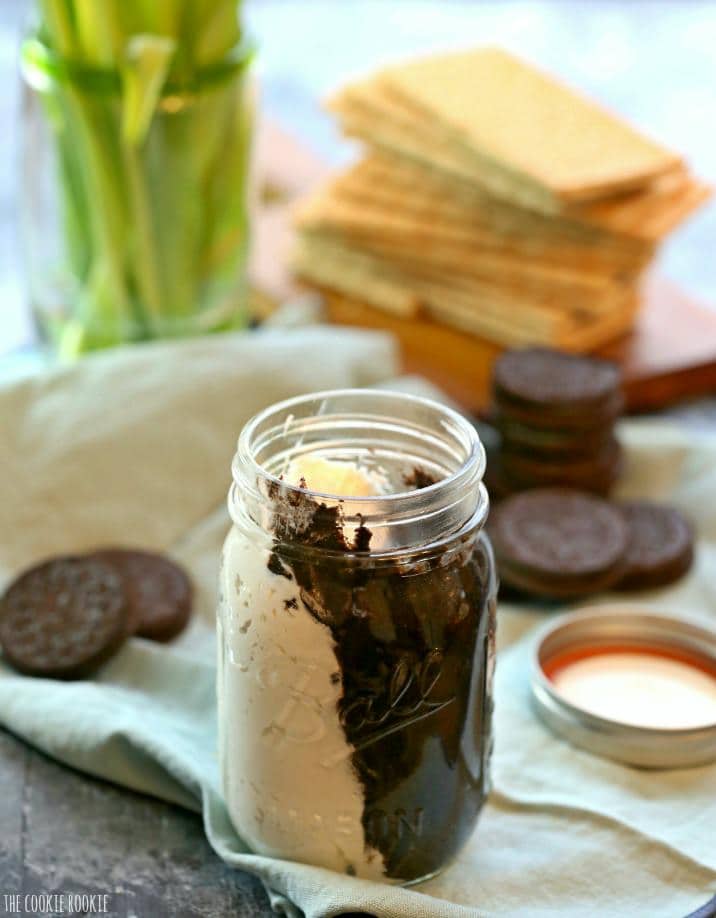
(498, 487)
(62, 619)
(661, 545)
(596, 473)
(159, 593)
(558, 543)
(555, 442)
(556, 390)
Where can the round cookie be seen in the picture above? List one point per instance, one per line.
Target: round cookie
(498, 487)
(596, 473)
(63, 618)
(494, 477)
(552, 389)
(558, 543)
(555, 442)
(159, 593)
(661, 546)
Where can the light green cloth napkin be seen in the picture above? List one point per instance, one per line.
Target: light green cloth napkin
(134, 447)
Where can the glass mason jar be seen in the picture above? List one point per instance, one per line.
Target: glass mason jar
(357, 635)
(134, 210)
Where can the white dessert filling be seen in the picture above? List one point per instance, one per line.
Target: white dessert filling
(287, 775)
(641, 689)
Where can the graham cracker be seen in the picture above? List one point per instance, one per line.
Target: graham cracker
(389, 127)
(651, 215)
(426, 233)
(509, 323)
(494, 200)
(576, 336)
(366, 115)
(459, 252)
(350, 276)
(352, 272)
(641, 218)
(576, 300)
(481, 279)
(519, 119)
(368, 111)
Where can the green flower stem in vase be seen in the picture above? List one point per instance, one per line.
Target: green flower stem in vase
(140, 230)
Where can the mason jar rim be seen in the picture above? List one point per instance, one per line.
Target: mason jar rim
(443, 508)
(477, 451)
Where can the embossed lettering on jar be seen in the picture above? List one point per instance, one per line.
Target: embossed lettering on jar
(356, 635)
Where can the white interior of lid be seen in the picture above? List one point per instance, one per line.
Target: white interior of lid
(642, 689)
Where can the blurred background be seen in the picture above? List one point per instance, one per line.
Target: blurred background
(651, 61)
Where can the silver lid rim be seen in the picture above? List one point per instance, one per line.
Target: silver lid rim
(649, 747)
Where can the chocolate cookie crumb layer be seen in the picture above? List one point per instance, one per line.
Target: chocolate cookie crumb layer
(413, 641)
(419, 479)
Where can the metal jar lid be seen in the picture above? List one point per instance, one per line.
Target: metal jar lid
(603, 628)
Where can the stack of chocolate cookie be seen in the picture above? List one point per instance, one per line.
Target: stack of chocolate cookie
(555, 413)
(554, 535)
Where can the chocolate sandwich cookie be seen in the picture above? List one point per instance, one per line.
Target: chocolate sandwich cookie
(661, 546)
(558, 543)
(495, 480)
(557, 442)
(552, 389)
(159, 593)
(498, 487)
(596, 473)
(63, 618)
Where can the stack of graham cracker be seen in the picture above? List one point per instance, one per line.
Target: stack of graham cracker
(495, 200)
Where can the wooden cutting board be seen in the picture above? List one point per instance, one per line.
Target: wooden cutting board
(670, 355)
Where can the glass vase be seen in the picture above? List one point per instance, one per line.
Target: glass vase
(135, 225)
